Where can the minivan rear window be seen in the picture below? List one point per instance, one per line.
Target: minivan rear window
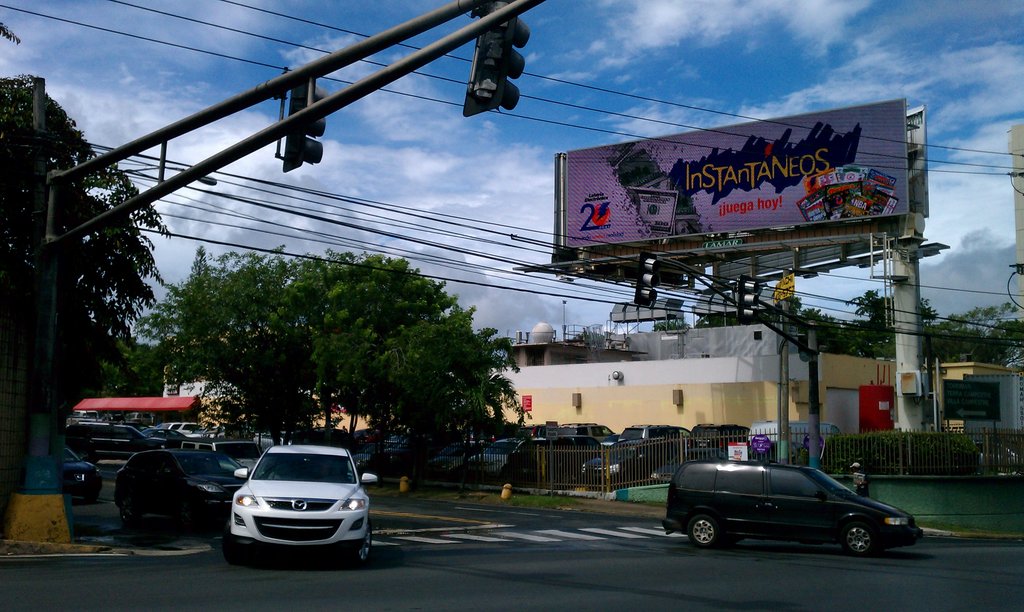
(697, 476)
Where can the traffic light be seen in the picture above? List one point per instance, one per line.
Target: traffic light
(647, 279)
(748, 299)
(299, 145)
(494, 62)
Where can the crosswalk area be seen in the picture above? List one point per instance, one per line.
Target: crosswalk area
(506, 536)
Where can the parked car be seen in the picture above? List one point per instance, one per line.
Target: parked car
(717, 502)
(646, 432)
(391, 457)
(493, 461)
(189, 428)
(301, 496)
(81, 478)
(709, 441)
(630, 461)
(452, 458)
(594, 430)
(172, 437)
(245, 452)
(193, 486)
(96, 441)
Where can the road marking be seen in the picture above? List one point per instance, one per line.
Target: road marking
(426, 516)
(377, 542)
(657, 532)
(423, 540)
(477, 538)
(613, 533)
(568, 534)
(525, 536)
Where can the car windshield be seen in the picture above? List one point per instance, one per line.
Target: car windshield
(207, 464)
(501, 447)
(631, 434)
(242, 450)
(305, 468)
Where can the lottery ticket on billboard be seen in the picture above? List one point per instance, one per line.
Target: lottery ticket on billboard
(842, 164)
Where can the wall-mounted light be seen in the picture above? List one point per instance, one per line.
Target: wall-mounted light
(677, 397)
(617, 375)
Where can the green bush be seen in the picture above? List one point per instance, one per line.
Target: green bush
(902, 452)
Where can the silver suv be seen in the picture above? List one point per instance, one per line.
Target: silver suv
(646, 432)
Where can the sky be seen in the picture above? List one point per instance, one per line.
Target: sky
(470, 201)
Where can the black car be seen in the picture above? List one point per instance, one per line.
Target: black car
(81, 478)
(719, 502)
(709, 441)
(96, 441)
(631, 461)
(193, 486)
(172, 438)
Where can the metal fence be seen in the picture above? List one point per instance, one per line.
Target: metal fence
(526, 464)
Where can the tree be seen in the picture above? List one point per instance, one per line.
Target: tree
(231, 326)
(9, 35)
(279, 342)
(988, 334)
(104, 282)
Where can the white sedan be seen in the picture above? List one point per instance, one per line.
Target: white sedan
(301, 496)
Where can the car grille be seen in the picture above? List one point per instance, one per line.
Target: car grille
(300, 505)
(297, 530)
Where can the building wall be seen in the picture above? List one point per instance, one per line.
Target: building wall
(713, 390)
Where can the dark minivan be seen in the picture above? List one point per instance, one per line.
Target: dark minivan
(719, 502)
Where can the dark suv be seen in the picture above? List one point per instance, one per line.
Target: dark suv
(718, 502)
(711, 441)
(95, 441)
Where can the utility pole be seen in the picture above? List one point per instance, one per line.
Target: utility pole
(1017, 182)
(783, 414)
(813, 400)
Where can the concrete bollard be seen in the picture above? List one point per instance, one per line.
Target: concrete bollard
(403, 485)
(506, 491)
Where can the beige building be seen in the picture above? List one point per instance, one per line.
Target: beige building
(722, 375)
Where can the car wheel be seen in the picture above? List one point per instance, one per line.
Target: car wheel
(129, 511)
(360, 553)
(858, 538)
(703, 531)
(186, 515)
(233, 553)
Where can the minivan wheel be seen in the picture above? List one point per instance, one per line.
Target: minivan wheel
(858, 539)
(703, 531)
(129, 513)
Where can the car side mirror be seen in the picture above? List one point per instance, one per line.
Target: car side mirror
(242, 472)
(368, 478)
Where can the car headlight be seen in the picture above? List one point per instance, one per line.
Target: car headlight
(613, 468)
(897, 520)
(210, 487)
(246, 500)
(354, 503)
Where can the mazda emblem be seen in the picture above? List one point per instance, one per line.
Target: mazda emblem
(298, 504)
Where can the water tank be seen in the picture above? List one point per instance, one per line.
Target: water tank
(542, 333)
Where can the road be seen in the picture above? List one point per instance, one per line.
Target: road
(432, 555)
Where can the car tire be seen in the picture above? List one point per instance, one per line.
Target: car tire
(359, 555)
(129, 511)
(703, 531)
(858, 539)
(186, 515)
(233, 552)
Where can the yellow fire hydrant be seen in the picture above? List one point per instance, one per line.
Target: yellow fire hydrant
(403, 484)
(506, 491)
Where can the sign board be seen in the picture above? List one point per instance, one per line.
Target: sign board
(738, 451)
(551, 430)
(971, 400)
(761, 443)
(842, 164)
(527, 403)
(785, 288)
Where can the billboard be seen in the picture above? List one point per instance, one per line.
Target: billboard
(840, 164)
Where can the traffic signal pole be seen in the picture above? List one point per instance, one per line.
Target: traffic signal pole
(332, 103)
(41, 473)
